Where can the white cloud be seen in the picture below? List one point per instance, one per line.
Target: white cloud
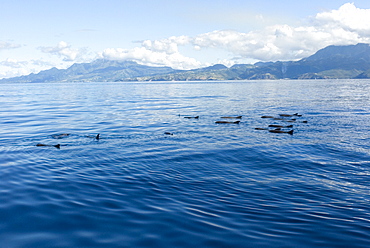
(64, 50)
(346, 25)
(13, 63)
(14, 68)
(348, 18)
(7, 45)
(155, 53)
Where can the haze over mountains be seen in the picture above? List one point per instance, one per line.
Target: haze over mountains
(340, 62)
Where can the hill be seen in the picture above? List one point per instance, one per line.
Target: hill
(96, 71)
(216, 72)
(352, 61)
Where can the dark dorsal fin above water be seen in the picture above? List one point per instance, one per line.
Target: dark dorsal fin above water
(280, 131)
(231, 117)
(60, 136)
(290, 115)
(56, 146)
(281, 126)
(227, 122)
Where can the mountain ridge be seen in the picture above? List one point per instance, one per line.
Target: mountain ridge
(351, 61)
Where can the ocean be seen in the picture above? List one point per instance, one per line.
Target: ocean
(157, 179)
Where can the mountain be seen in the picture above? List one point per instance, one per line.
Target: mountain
(96, 71)
(216, 72)
(352, 61)
(333, 62)
(365, 74)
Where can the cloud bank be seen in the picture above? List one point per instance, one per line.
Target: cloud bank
(7, 45)
(64, 50)
(155, 53)
(344, 26)
(13, 68)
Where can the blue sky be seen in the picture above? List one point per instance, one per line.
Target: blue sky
(37, 35)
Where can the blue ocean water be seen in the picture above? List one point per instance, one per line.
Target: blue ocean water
(206, 185)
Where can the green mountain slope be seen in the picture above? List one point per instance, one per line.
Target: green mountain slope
(348, 61)
(98, 70)
(330, 62)
(216, 72)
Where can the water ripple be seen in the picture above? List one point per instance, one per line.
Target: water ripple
(206, 185)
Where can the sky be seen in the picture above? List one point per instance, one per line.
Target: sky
(183, 34)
